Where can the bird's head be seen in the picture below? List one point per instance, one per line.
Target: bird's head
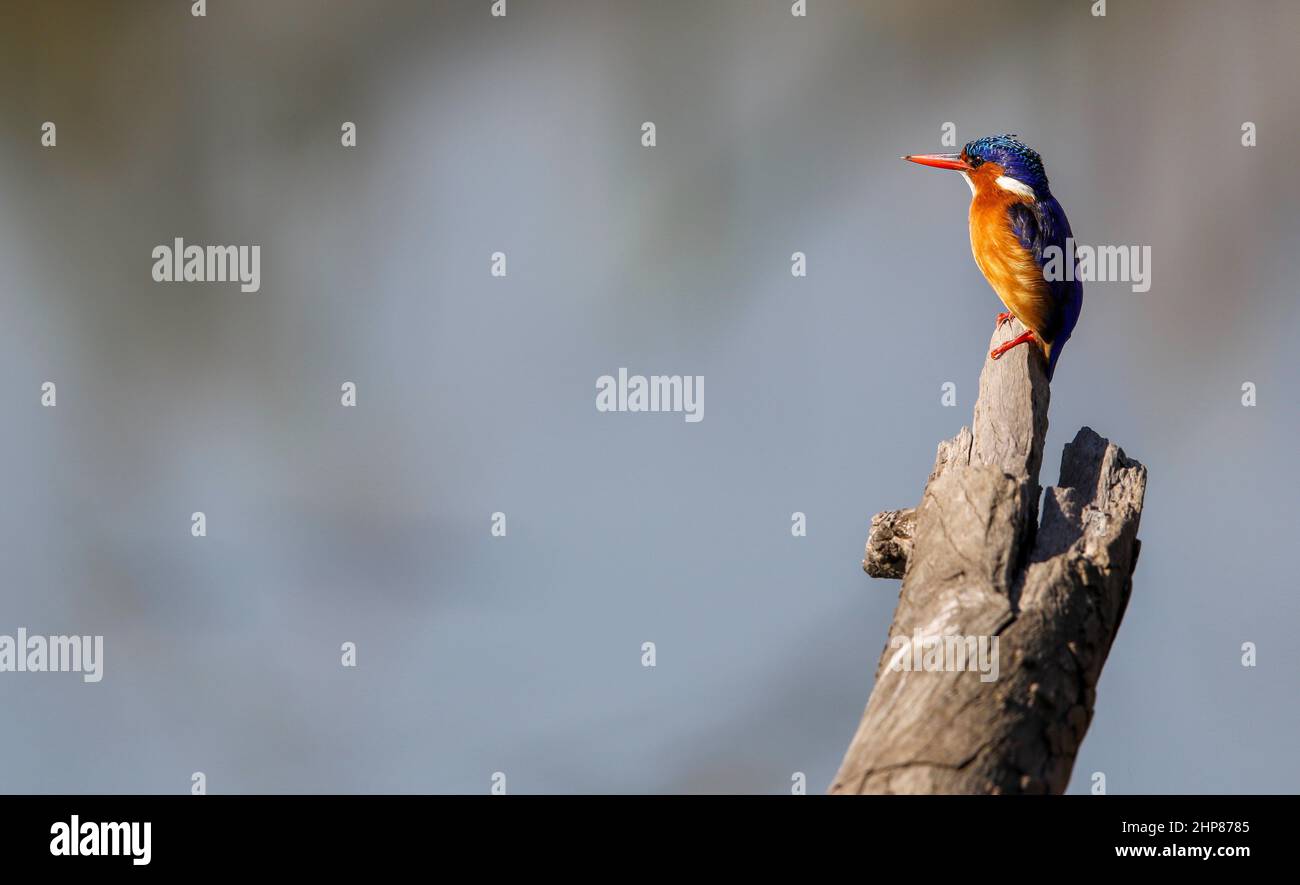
(997, 161)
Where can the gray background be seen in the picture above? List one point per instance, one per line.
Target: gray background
(522, 134)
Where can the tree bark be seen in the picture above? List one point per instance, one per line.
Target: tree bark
(977, 566)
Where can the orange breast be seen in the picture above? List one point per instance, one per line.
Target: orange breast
(1012, 272)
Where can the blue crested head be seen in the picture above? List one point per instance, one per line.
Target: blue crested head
(1018, 159)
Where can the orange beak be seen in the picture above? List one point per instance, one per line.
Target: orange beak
(941, 161)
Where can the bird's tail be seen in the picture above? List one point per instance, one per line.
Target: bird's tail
(1053, 354)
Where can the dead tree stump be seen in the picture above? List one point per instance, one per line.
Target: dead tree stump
(976, 562)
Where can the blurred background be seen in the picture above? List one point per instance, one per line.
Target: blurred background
(522, 134)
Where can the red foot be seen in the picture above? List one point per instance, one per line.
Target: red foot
(1003, 319)
(1024, 338)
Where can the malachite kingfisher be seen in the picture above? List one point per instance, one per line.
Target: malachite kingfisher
(1013, 219)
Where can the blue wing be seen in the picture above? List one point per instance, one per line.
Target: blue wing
(1039, 225)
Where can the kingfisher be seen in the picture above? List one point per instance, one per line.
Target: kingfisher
(1014, 219)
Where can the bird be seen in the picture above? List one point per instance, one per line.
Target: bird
(1014, 221)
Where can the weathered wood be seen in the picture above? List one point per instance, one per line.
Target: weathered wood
(1045, 599)
(889, 543)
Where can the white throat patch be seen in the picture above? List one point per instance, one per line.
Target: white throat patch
(1016, 187)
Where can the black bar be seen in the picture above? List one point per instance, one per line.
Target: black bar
(335, 833)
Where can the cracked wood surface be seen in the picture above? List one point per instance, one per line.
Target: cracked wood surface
(976, 562)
